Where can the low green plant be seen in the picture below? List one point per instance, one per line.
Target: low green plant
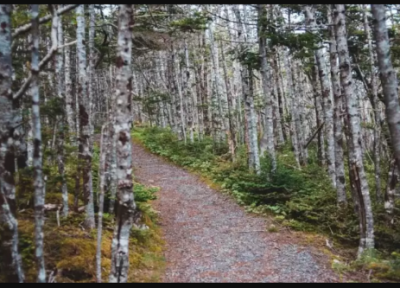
(302, 199)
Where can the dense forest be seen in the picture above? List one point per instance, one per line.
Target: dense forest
(291, 109)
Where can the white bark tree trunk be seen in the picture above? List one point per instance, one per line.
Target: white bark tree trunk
(10, 236)
(269, 127)
(293, 132)
(125, 200)
(102, 176)
(326, 95)
(388, 77)
(337, 116)
(37, 139)
(61, 120)
(375, 105)
(355, 151)
(85, 120)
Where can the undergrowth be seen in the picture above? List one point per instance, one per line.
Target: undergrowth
(302, 199)
(69, 249)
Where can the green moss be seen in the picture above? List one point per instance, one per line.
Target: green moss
(73, 250)
(70, 248)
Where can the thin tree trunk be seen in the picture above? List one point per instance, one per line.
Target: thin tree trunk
(125, 200)
(337, 115)
(218, 118)
(388, 77)
(180, 125)
(293, 132)
(10, 238)
(357, 166)
(253, 138)
(188, 94)
(205, 87)
(316, 92)
(69, 96)
(301, 124)
(91, 70)
(375, 106)
(85, 119)
(232, 134)
(279, 95)
(390, 191)
(326, 95)
(269, 128)
(61, 120)
(103, 140)
(38, 182)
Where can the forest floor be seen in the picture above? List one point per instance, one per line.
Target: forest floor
(210, 238)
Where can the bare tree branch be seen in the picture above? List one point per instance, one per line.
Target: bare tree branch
(28, 26)
(45, 60)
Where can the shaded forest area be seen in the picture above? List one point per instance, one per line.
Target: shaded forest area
(292, 109)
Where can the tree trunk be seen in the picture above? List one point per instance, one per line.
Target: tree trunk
(9, 250)
(125, 200)
(231, 122)
(317, 107)
(38, 182)
(61, 120)
(253, 138)
(279, 95)
(218, 117)
(326, 96)
(188, 94)
(375, 106)
(102, 171)
(85, 119)
(269, 128)
(390, 191)
(293, 132)
(356, 161)
(388, 77)
(337, 115)
(68, 95)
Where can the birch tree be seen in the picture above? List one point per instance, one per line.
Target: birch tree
(326, 95)
(373, 93)
(337, 112)
(269, 128)
(84, 119)
(12, 257)
(355, 153)
(388, 77)
(125, 200)
(61, 120)
(37, 139)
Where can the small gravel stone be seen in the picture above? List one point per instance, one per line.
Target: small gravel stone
(209, 238)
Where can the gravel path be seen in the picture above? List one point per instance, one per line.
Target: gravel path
(209, 238)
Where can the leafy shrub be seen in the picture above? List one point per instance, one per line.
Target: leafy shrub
(304, 198)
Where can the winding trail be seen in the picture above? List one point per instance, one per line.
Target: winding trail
(210, 238)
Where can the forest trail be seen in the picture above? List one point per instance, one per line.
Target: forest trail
(210, 238)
